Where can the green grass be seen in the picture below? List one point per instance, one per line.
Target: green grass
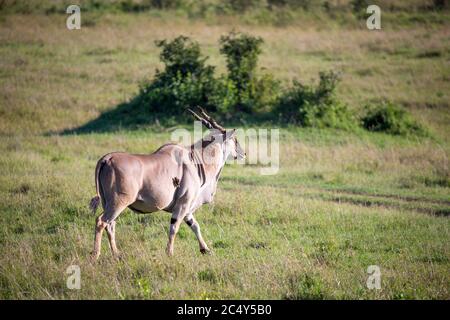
(340, 202)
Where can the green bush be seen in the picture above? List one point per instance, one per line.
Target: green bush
(294, 4)
(245, 5)
(225, 97)
(311, 106)
(252, 94)
(440, 4)
(185, 82)
(241, 52)
(265, 93)
(182, 55)
(359, 7)
(334, 115)
(391, 119)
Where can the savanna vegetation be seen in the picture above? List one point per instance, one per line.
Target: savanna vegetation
(364, 174)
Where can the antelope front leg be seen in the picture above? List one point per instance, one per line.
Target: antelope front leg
(195, 227)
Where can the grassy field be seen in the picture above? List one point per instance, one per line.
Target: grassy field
(340, 202)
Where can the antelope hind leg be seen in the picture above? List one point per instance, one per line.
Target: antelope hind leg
(111, 231)
(100, 225)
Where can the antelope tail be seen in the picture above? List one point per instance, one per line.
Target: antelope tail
(93, 204)
(95, 201)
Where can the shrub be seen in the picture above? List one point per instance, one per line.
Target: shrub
(317, 106)
(166, 4)
(252, 94)
(182, 55)
(172, 98)
(359, 7)
(440, 4)
(265, 92)
(225, 97)
(334, 115)
(295, 4)
(185, 82)
(245, 5)
(391, 119)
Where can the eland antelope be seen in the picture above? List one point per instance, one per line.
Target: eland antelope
(174, 178)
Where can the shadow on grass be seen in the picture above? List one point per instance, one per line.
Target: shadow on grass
(130, 115)
(135, 114)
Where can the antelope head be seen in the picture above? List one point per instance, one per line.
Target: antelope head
(226, 137)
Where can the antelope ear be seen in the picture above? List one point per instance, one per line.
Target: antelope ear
(230, 134)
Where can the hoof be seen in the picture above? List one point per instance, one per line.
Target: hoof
(205, 251)
(93, 257)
